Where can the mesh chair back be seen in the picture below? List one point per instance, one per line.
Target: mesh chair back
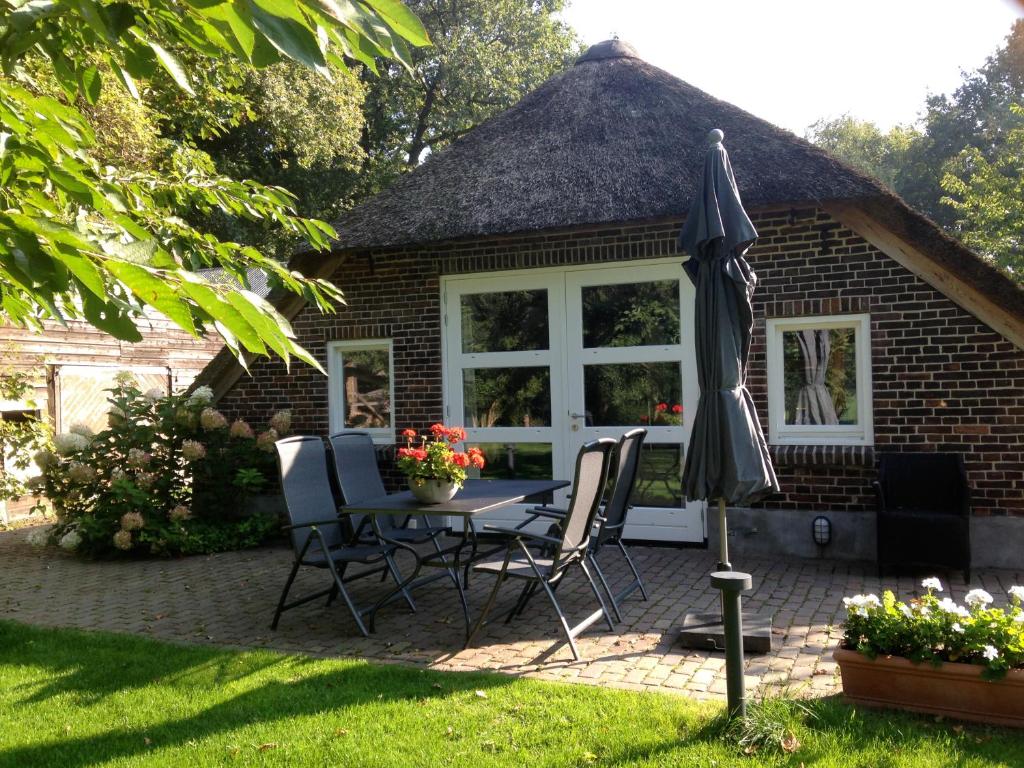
(627, 465)
(935, 482)
(592, 466)
(357, 473)
(302, 463)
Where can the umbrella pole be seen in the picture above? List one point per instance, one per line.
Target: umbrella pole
(723, 535)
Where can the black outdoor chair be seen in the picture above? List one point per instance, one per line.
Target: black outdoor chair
(546, 570)
(320, 539)
(358, 477)
(924, 512)
(611, 519)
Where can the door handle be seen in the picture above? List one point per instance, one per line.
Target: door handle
(577, 415)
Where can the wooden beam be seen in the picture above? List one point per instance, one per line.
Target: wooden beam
(947, 283)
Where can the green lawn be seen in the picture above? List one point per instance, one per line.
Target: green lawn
(74, 699)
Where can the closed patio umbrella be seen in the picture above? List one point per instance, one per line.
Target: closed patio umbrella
(728, 458)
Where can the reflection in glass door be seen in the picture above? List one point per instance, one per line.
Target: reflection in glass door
(504, 373)
(537, 363)
(627, 344)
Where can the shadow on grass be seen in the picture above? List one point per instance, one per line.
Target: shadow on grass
(116, 663)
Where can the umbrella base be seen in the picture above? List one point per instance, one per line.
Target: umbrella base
(704, 632)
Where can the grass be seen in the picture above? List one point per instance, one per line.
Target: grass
(77, 699)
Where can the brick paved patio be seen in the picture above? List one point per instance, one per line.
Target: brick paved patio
(228, 599)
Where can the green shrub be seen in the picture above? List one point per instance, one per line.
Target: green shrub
(927, 629)
(169, 475)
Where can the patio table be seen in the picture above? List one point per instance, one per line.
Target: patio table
(475, 498)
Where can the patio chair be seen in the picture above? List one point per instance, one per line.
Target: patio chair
(358, 477)
(320, 539)
(546, 571)
(924, 512)
(611, 519)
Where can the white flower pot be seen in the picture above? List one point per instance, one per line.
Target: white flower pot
(432, 491)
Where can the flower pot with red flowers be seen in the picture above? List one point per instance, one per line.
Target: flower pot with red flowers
(434, 469)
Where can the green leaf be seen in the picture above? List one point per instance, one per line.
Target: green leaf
(289, 37)
(222, 312)
(90, 84)
(402, 20)
(109, 317)
(150, 289)
(173, 67)
(82, 267)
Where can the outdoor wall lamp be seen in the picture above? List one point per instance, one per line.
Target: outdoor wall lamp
(822, 530)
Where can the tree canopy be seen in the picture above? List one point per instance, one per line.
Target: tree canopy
(962, 164)
(88, 228)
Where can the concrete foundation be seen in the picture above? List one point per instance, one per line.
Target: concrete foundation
(996, 542)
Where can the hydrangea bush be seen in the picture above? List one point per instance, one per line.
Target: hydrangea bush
(933, 629)
(169, 475)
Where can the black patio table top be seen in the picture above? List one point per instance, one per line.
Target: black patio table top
(474, 498)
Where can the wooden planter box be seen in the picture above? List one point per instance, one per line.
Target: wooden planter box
(952, 690)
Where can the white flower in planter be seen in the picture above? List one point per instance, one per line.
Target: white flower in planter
(1017, 593)
(948, 606)
(978, 598)
(905, 610)
(990, 653)
(70, 541)
(957, 628)
(932, 584)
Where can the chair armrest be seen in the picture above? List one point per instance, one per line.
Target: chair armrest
(297, 526)
(557, 514)
(519, 534)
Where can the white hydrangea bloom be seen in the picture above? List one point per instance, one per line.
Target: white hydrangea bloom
(1019, 618)
(67, 443)
(957, 628)
(154, 394)
(990, 653)
(905, 610)
(932, 584)
(70, 540)
(38, 537)
(201, 396)
(1017, 593)
(78, 428)
(978, 598)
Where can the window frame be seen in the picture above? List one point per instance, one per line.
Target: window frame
(336, 386)
(780, 433)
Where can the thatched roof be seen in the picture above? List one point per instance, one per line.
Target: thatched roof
(612, 139)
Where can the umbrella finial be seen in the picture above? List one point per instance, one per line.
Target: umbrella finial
(715, 136)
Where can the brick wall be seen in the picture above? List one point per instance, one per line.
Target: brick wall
(942, 380)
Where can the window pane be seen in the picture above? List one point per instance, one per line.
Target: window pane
(511, 461)
(820, 376)
(631, 314)
(633, 394)
(659, 478)
(505, 322)
(367, 383)
(506, 397)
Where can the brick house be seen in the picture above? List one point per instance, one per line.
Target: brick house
(526, 282)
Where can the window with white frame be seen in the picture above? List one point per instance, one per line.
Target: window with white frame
(819, 380)
(361, 387)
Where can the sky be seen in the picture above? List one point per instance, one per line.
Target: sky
(796, 61)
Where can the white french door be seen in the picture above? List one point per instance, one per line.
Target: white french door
(538, 362)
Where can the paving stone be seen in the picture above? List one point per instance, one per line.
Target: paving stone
(228, 599)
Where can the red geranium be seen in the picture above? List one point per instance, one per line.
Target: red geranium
(435, 458)
(645, 418)
(677, 408)
(461, 459)
(456, 434)
(661, 407)
(409, 434)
